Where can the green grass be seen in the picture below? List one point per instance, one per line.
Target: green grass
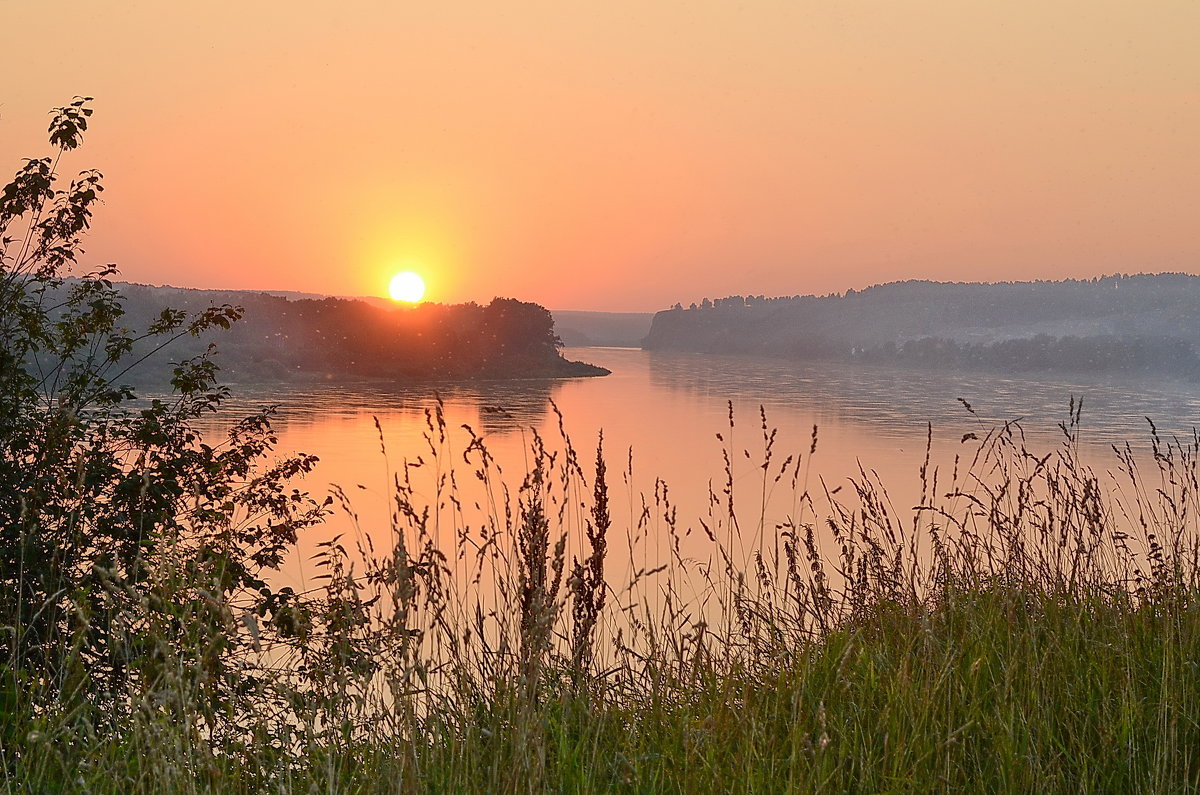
(994, 690)
(1032, 627)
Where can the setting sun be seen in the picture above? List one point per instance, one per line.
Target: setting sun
(407, 286)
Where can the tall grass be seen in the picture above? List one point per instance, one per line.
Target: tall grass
(1031, 624)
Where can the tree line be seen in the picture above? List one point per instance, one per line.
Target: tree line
(280, 338)
(1142, 323)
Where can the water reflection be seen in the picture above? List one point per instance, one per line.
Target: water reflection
(661, 415)
(892, 401)
(495, 408)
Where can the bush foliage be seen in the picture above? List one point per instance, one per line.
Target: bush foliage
(127, 543)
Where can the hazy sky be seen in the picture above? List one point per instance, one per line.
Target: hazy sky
(621, 155)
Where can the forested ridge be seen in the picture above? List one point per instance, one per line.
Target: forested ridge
(281, 338)
(1145, 322)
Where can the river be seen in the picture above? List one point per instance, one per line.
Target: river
(666, 420)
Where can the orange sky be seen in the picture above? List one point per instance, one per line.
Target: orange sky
(625, 154)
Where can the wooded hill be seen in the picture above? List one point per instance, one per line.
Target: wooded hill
(1139, 323)
(279, 338)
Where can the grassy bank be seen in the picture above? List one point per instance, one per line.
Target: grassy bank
(1030, 625)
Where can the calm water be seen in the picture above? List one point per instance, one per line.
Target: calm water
(669, 409)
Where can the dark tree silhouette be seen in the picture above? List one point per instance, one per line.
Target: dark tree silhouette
(126, 540)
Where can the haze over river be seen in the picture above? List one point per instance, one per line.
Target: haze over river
(669, 408)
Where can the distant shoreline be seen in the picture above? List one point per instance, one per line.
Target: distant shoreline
(1146, 324)
(307, 340)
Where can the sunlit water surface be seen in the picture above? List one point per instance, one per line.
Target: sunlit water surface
(664, 412)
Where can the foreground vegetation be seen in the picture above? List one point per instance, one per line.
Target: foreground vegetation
(1017, 641)
(1030, 624)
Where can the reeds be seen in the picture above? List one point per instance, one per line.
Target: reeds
(1029, 624)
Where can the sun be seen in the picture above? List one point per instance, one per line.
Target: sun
(408, 287)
